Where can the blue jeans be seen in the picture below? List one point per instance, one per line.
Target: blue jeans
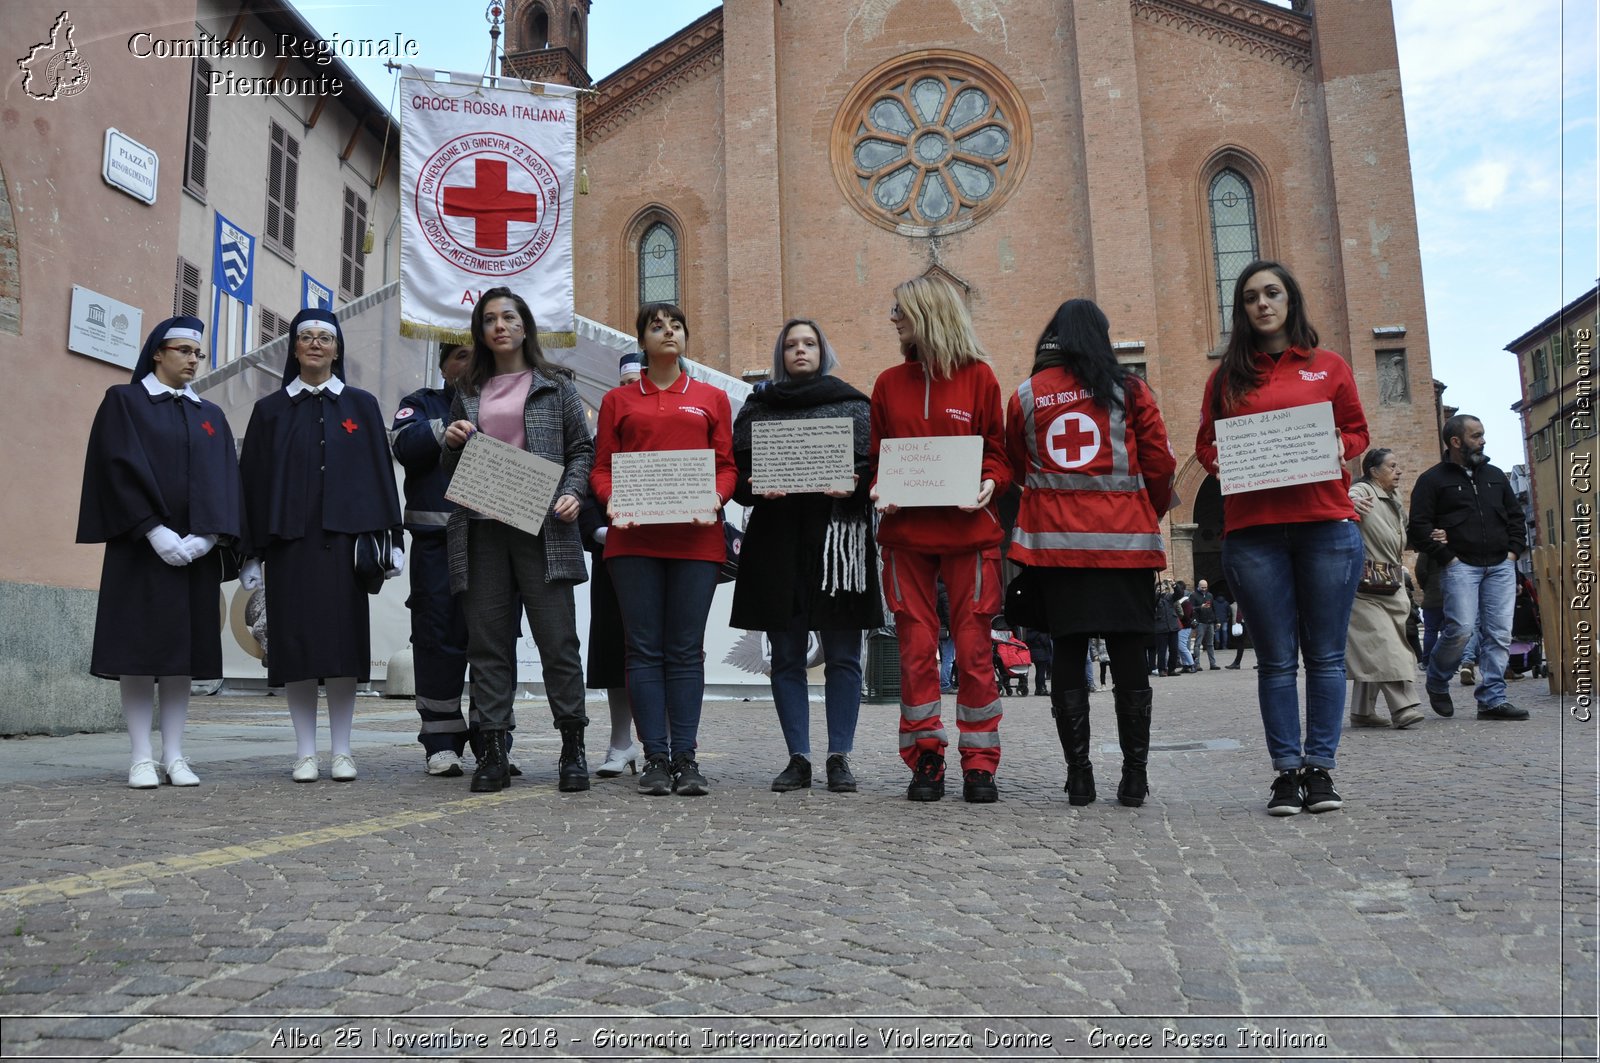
(947, 662)
(1476, 599)
(841, 656)
(1297, 583)
(664, 603)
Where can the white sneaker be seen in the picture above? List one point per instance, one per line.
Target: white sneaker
(179, 773)
(445, 762)
(619, 759)
(305, 769)
(142, 775)
(344, 768)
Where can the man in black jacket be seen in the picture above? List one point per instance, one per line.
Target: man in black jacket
(1466, 519)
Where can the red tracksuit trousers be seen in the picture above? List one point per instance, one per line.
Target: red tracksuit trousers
(972, 580)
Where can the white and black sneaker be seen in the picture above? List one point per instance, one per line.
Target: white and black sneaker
(1286, 799)
(1318, 787)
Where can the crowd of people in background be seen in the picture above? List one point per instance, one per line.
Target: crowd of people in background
(1311, 572)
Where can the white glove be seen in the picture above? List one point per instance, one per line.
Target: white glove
(397, 563)
(199, 545)
(601, 532)
(168, 545)
(250, 574)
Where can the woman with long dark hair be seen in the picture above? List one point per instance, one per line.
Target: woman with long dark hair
(666, 574)
(1291, 554)
(512, 392)
(808, 562)
(1089, 446)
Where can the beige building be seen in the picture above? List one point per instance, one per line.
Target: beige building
(1555, 361)
(801, 159)
(305, 172)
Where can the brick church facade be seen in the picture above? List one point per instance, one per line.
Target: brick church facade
(801, 158)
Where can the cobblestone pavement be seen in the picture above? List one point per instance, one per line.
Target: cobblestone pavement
(1448, 910)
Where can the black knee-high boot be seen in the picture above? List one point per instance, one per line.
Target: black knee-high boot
(1133, 730)
(1070, 707)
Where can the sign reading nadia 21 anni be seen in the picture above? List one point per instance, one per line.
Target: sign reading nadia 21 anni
(486, 179)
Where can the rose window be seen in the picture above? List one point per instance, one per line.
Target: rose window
(931, 143)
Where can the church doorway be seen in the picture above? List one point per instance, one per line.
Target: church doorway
(1208, 534)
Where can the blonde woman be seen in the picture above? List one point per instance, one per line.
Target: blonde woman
(943, 386)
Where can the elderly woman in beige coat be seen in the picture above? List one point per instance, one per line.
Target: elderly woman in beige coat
(1377, 656)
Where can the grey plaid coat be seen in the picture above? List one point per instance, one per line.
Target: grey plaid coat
(558, 430)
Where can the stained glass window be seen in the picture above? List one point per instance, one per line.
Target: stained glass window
(1235, 240)
(658, 265)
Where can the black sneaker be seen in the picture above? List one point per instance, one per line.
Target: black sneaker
(656, 779)
(927, 781)
(1503, 711)
(1286, 799)
(1441, 703)
(797, 776)
(840, 780)
(1318, 787)
(686, 778)
(978, 788)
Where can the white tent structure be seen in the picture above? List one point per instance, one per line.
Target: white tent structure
(378, 359)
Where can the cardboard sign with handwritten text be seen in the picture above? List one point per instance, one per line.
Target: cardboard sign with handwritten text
(930, 471)
(504, 482)
(1297, 445)
(663, 486)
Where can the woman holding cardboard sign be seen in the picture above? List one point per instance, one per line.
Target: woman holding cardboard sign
(665, 573)
(808, 562)
(1291, 553)
(943, 388)
(513, 393)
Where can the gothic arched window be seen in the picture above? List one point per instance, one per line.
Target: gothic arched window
(538, 27)
(1235, 237)
(658, 265)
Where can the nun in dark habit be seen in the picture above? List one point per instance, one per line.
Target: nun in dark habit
(317, 474)
(161, 490)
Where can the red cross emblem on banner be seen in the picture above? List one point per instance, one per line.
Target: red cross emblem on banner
(1073, 440)
(490, 204)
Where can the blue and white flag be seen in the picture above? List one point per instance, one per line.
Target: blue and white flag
(233, 262)
(314, 295)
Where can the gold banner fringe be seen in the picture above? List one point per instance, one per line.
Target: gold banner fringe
(558, 339)
(416, 330)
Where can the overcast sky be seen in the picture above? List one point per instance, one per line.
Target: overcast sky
(1500, 108)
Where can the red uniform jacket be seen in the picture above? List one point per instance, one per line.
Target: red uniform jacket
(909, 402)
(689, 415)
(1095, 481)
(1299, 377)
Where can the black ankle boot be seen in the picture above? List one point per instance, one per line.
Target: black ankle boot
(491, 776)
(574, 764)
(1133, 731)
(1071, 710)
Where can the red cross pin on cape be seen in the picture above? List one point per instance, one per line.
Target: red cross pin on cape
(207, 426)
(349, 426)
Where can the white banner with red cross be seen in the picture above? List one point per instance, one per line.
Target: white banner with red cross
(486, 181)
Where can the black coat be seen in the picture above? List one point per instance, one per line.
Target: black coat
(150, 461)
(781, 560)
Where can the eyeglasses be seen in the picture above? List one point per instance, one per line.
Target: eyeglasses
(316, 339)
(895, 313)
(182, 352)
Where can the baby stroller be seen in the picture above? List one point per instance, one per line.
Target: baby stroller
(1012, 662)
(1527, 633)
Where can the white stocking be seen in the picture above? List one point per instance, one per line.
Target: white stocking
(303, 711)
(621, 718)
(174, 713)
(139, 709)
(341, 712)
